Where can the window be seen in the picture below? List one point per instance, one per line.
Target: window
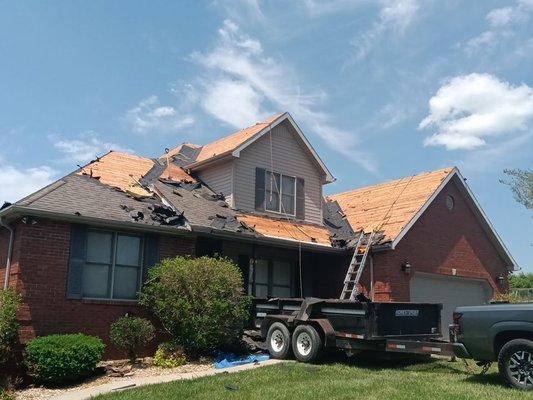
(112, 268)
(280, 193)
(450, 202)
(271, 278)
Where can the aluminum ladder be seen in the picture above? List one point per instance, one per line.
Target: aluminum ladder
(357, 265)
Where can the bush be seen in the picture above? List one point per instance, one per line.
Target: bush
(9, 304)
(200, 302)
(130, 334)
(60, 359)
(169, 355)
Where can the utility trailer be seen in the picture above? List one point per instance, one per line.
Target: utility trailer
(308, 326)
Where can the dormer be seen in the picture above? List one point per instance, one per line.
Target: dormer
(269, 168)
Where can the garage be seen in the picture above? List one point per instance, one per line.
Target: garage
(451, 291)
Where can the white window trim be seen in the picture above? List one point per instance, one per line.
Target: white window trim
(114, 263)
(281, 175)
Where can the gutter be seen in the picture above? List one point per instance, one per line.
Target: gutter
(9, 251)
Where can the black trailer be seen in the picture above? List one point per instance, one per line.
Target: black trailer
(308, 326)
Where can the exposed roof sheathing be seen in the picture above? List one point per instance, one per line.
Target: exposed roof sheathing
(229, 143)
(389, 206)
(120, 170)
(285, 229)
(174, 173)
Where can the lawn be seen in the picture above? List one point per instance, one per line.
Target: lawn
(349, 379)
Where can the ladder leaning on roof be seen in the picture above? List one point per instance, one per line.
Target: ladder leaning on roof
(357, 265)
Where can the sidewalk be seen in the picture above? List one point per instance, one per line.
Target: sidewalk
(142, 381)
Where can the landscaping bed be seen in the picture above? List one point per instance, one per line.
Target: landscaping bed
(115, 371)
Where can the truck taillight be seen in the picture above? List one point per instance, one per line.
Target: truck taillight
(456, 322)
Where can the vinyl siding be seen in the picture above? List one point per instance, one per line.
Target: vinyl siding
(290, 157)
(220, 179)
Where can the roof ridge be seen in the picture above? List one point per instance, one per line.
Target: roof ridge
(392, 181)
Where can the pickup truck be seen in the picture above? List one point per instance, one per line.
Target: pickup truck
(497, 332)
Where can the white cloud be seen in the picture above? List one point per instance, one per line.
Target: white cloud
(16, 183)
(395, 16)
(503, 23)
(242, 85)
(149, 116)
(320, 7)
(223, 96)
(468, 109)
(86, 148)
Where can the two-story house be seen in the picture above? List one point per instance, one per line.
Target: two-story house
(79, 249)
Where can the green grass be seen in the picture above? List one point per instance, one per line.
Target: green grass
(349, 379)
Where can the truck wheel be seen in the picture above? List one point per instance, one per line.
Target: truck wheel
(279, 341)
(515, 363)
(306, 343)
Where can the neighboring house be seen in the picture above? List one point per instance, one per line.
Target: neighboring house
(82, 246)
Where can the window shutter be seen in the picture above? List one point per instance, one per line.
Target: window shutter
(78, 244)
(300, 198)
(151, 254)
(260, 189)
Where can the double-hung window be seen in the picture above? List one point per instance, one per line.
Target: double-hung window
(113, 265)
(280, 191)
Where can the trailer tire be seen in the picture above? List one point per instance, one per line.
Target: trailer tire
(279, 341)
(307, 344)
(515, 363)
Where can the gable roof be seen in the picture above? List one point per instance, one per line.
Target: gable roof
(393, 207)
(389, 206)
(233, 144)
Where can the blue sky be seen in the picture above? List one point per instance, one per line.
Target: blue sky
(383, 89)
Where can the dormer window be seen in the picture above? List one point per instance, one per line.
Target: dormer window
(278, 193)
(280, 187)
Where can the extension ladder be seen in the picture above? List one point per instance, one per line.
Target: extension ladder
(357, 265)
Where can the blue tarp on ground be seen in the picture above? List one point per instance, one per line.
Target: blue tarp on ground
(228, 360)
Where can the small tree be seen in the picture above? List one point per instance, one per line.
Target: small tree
(130, 334)
(9, 304)
(521, 183)
(200, 302)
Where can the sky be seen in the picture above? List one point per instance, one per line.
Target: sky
(383, 89)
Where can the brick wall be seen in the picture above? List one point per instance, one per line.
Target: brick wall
(40, 264)
(441, 240)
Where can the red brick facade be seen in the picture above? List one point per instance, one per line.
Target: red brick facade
(39, 273)
(440, 241)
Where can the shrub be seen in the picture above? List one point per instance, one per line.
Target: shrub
(130, 334)
(169, 355)
(199, 302)
(60, 359)
(9, 304)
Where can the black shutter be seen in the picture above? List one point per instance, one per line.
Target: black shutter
(260, 189)
(151, 253)
(300, 198)
(244, 266)
(78, 245)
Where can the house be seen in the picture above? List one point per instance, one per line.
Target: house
(79, 249)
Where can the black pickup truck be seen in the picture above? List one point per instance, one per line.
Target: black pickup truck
(498, 332)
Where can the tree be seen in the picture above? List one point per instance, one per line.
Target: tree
(521, 281)
(521, 183)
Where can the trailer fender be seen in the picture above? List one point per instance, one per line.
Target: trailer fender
(270, 319)
(325, 329)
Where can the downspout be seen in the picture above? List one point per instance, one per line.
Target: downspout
(9, 251)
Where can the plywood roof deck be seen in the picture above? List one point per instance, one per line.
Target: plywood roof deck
(389, 206)
(287, 229)
(118, 170)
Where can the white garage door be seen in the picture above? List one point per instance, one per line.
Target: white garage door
(452, 292)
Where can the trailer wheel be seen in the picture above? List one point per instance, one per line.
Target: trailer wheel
(279, 341)
(306, 344)
(515, 363)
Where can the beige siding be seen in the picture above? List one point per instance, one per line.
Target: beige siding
(220, 179)
(289, 157)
